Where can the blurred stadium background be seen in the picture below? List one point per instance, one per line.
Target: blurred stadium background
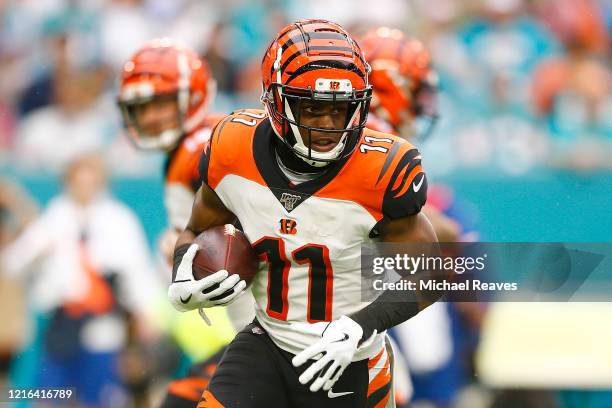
(522, 152)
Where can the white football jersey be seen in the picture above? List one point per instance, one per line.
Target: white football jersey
(308, 236)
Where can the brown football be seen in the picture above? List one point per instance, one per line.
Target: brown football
(224, 247)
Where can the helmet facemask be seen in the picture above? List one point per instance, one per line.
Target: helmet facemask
(165, 139)
(285, 105)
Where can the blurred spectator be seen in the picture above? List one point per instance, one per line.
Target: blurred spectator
(504, 45)
(77, 122)
(125, 25)
(90, 268)
(577, 23)
(10, 65)
(68, 40)
(16, 210)
(353, 13)
(573, 93)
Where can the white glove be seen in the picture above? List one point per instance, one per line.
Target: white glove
(186, 293)
(338, 344)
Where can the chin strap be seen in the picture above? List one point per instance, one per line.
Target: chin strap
(295, 164)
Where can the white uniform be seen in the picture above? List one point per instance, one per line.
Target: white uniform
(309, 236)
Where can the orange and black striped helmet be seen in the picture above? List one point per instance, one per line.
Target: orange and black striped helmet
(165, 69)
(315, 60)
(405, 84)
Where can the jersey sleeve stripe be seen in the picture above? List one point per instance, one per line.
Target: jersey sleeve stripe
(400, 177)
(392, 153)
(418, 169)
(218, 129)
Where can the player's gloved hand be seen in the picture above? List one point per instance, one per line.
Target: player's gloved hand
(218, 289)
(339, 341)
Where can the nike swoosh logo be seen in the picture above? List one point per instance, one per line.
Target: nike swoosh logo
(416, 187)
(331, 394)
(185, 301)
(345, 338)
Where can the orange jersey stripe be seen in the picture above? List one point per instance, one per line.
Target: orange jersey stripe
(418, 169)
(209, 401)
(372, 362)
(188, 388)
(382, 379)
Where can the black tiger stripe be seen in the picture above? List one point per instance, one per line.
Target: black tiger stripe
(408, 162)
(293, 41)
(324, 64)
(326, 35)
(307, 37)
(287, 31)
(219, 128)
(378, 395)
(204, 162)
(291, 58)
(303, 50)
(300, 25)
(390, 156)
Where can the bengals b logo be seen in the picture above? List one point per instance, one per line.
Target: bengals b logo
(288, 226)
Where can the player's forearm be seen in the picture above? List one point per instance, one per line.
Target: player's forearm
(384, 313)
(182, 244)
(207, 212)
(394, 307)
(185, 237)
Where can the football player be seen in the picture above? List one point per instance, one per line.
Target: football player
(404, 100)
(309, 185)
(164, 94)
(405, 84)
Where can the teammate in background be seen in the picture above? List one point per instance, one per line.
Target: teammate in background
(405, 84)
(405, 98)
(308, 159)
(404, 101)
(164, 95)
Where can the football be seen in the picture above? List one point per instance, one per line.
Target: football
(224, 247)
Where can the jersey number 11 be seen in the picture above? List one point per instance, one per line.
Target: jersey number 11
(320, 274)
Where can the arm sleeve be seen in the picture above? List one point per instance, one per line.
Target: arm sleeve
(385, 312)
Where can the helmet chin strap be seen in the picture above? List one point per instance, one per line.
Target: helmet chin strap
(166, 140)
(294, 162)
(305, 150)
